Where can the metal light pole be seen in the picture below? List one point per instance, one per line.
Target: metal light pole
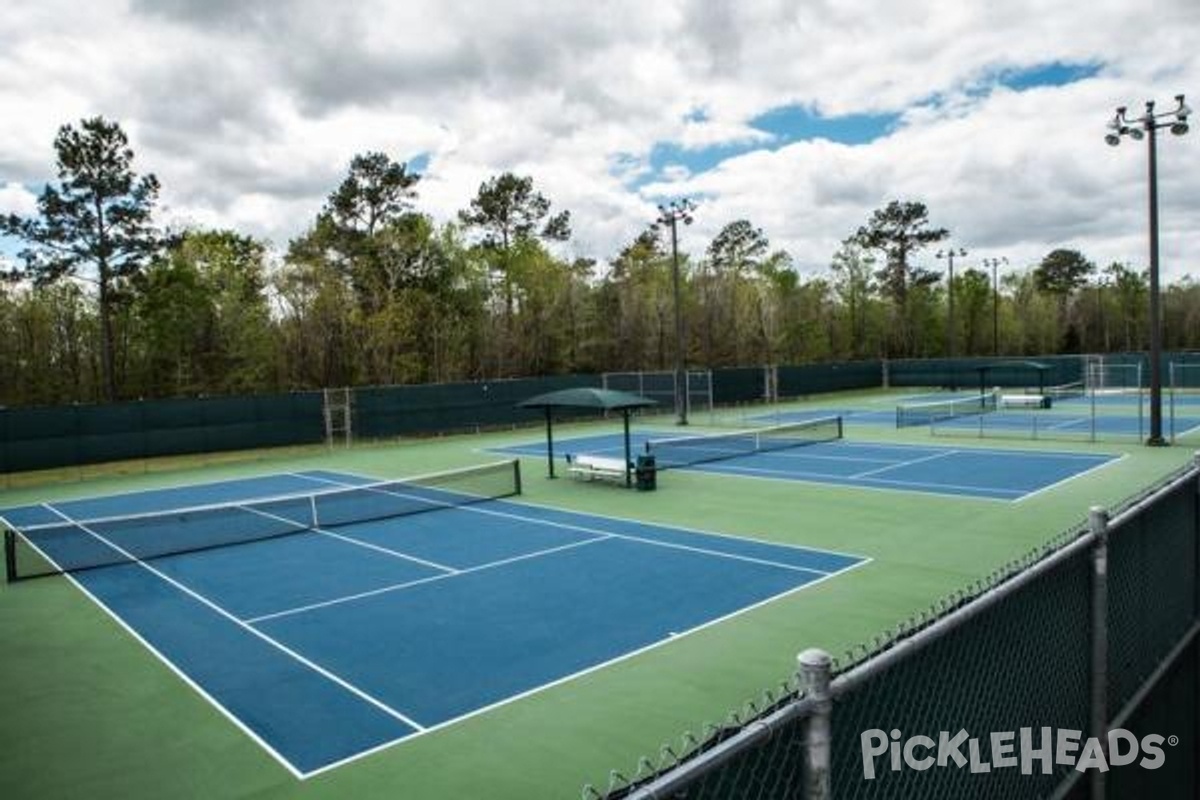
(1150, 123)
(949, 256)
(671, 215)
(995, 263)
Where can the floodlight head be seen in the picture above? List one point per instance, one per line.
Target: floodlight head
(1134, 133)
(687, 220)
(1180, 127)
(1112, 139)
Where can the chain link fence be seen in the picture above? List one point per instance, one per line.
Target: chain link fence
(1094, 632)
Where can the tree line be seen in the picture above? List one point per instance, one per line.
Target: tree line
(104, 305)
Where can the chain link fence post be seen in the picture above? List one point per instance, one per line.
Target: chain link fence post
(815, 675)
(1098, 523)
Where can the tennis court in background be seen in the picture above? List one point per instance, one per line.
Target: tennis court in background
(971, 472)
(326, 638)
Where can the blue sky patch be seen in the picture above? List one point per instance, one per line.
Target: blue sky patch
(1055, 73)
(418, 164)
(797, 123)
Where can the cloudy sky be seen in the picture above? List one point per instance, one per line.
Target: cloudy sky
(801, 116)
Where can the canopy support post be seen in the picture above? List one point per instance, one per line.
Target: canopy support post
(628, 480)
(549, 441)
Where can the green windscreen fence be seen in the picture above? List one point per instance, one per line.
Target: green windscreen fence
(800, 381)
(45, 438)
(384, 411)
(963, 373)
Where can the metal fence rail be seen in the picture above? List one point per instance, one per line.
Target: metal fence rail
(1096, 631)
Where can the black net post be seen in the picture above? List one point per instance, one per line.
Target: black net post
(516, 475)
(1098, 523)
(816, 667)
(10, 555)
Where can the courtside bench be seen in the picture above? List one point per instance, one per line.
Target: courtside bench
(588, 467)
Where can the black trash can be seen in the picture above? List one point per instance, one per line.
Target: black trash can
(646, 473)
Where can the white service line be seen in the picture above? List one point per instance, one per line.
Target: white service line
(900, 464)
(362, 695)
(419, 581)
(377, 548)
(598, 532)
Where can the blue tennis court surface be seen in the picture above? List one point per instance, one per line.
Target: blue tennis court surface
(1071, 419)
(988, 473)
(327, 645)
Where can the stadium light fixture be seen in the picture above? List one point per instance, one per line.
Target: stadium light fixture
(949, 256)
(1146, 127)
(670, 215)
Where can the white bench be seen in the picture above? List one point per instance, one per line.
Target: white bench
(1023, 401)
(588, 467)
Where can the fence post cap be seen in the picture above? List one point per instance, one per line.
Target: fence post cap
(814, 657)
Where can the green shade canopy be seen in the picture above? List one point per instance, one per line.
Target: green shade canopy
(1036, 366)
(587, 397)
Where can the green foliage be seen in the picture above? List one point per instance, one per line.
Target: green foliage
(202, 317)
(973, 307)
(507, 211)
(899, 230)
(1063, 271)
(376, 292)
(96, 224)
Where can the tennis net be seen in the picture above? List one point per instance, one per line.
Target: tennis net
(687, 450)
(911, 414)
(1065, 391)
(69, 545)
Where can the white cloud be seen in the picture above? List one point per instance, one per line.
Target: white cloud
(16, 199)
(249, 113)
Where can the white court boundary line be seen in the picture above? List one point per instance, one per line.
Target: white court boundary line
(1069, 478)
(170, 665)
(327, 674)
(897, 483)
(824, 480)
(598, 532)
(629, 520)
(419, 730)
(675, 636)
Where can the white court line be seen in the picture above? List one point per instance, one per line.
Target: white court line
(599, 532)
(1069, 478)
(362, 695)
(969, 448)
(628, 520)
(903, 483)
(900, 464)
(171, 487)
(349, 540)
(826, 481)
(420, 581)
(170, 665)
(421, 731)
(672, 637)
